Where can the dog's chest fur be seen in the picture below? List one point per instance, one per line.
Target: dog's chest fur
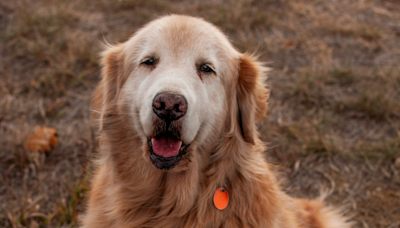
(162, 199)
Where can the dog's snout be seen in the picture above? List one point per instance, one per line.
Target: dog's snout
(169, 106)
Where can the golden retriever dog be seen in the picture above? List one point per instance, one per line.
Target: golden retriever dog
(177, 107)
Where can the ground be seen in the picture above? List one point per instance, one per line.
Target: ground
(333, 122)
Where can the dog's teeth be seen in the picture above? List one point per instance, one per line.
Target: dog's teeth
(152, 142)
(180, 144)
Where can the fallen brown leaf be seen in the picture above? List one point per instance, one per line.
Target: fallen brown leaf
(44, 139)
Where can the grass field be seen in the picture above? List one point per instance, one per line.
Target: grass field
(333, 122)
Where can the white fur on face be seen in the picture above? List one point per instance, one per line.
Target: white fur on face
(179, 51)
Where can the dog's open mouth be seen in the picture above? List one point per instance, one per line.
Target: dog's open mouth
(166, 150)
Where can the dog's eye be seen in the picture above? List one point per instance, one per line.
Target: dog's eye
(149, 62)
(206, 68)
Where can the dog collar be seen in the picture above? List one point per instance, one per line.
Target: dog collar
(221, 199)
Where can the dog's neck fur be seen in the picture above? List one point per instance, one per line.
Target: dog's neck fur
(159, 196)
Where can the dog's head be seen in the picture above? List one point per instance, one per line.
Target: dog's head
(178, 85)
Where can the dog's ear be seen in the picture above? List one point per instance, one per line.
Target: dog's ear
(252, 95)
(113, 76)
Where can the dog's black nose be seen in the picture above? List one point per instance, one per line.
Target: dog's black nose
(169, 106)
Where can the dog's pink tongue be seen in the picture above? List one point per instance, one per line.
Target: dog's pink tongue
(166, 146)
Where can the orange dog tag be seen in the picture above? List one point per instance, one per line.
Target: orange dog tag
(221, 199)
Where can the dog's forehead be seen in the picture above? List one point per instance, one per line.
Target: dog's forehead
(183, 34)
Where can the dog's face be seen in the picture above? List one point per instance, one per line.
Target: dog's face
(175, 86)
(177, 80)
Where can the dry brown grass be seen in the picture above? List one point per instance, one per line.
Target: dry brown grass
(333, 121)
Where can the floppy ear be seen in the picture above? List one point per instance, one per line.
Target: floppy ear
(252, 95)
(113, 77)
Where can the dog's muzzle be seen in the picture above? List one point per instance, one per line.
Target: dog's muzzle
(166, 147)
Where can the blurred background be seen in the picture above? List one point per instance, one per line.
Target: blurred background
(333, 120)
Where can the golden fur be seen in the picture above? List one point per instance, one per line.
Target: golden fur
(128, 191)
